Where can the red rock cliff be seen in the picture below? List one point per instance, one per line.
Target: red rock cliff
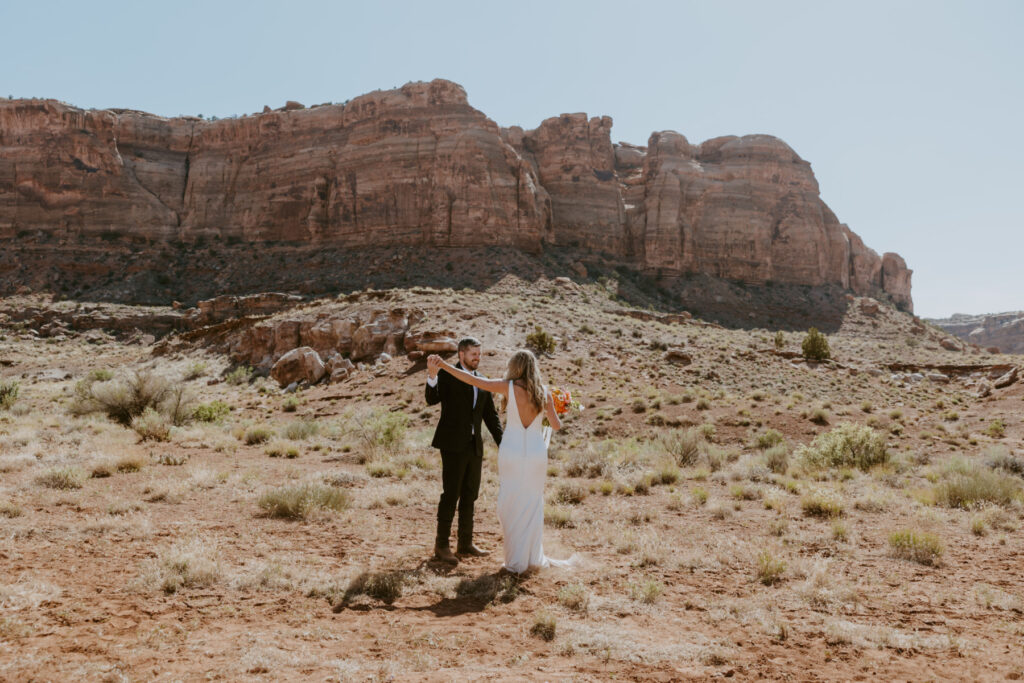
(419, 165)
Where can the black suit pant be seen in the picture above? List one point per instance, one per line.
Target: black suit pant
(460, 481)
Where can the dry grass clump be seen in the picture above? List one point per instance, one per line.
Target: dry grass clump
(588, 463)
(282, 449)
(975, 486)
(646, 591)
(299, 501)
(544, 624)
(62, 478)
(385, 586)
(8, 394)
(257, 434)
(776, 458)
(768, 439)
(574, 597)
(848, 445)
(768, 568)
(190, 564)
(152, 426)
(570, 494)
(300, 430)
(214, 411)
(559, 516)
(918, 546)
(999, 458)
(683, 445)
(822, 503)
(9, 510)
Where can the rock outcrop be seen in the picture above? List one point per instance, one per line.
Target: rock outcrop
(82, 193)
(1004, 331)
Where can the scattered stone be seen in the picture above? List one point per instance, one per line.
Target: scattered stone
(937, 377)
(291, 388)
(298, 364)
(868, 306)
(949, 344)
(415, 355)
(984, 389)
(992, 349)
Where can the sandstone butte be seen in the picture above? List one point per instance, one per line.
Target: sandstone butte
(417, 166)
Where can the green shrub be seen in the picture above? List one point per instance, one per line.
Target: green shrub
(214, 411)
(298, 501)
(195, 370)
(819, 416)
(996, 429)
(385, 429)
(290, 404)
(815, 346)
(540, 341)
(8, 394)
(780, 340)
(127, 398)
(848, 445)
(919, 546)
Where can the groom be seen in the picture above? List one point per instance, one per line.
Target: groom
(459, 438)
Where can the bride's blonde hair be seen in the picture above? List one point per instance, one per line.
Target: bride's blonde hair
(523, 366)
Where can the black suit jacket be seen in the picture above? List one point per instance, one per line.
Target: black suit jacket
(459, 421)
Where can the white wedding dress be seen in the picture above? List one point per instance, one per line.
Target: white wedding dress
(522, 468)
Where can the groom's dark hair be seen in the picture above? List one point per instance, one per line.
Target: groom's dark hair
(466, 342)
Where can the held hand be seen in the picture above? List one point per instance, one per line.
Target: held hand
(433, 365)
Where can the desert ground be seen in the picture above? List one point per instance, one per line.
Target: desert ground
(738, 512)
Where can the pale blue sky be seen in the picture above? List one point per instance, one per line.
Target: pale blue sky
(910, 112)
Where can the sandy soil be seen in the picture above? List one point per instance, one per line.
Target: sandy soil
(169, 569)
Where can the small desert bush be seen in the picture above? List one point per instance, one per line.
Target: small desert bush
(558, 516)
(570, 494)
(122, 399)
(683, 445)
(195, 370)
(768, 568)
(62, 478)
(282, 449)
(848, 445)
(776, 458)
(540, 341)
(646, 591)
(240, 375)
(543, 625)
(703, 404)
(8, 394)
(9, 510)
(819, 416)
(257, 434)
(299, 430)
(574, 597)
(384, 430)
(588, 463)
(152, 426)
(919, 546)
(386, 586)
(186, 565)
(996, 429)
(214, 411)
(815, 346)
(821, 504)
(299, 501)
(131, 463)
(999, 458)
(768, 439)
(290, 404)
(976, 486)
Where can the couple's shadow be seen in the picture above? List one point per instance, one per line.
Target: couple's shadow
(471, 594)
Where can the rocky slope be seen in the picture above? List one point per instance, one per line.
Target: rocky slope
(1002, 330)
(122, 204)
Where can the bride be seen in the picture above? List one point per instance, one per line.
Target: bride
(522, 457)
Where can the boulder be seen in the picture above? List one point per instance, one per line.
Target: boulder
(301, 364)
(937, 377)
(1006, 379)
(949, 344)
(984, 389)
(678, 356)
(433, 341)
(868, 306)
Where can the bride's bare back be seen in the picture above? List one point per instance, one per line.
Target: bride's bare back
(524, 404)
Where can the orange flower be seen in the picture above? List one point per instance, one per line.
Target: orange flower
(563, 401)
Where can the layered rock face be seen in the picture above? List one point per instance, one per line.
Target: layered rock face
(417, 166)
(1002, 330)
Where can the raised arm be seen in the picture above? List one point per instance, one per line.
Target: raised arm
(549, 408)
(496, 386)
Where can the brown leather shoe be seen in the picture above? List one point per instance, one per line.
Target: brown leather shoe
(444, 554)
(472, 550)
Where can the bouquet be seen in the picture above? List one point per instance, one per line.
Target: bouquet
(564, 402)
